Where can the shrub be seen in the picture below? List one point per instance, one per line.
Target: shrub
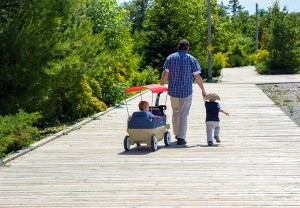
(236, 60)
(146, 76)
(238, 56)
(17, 131)
(138, 78)
(297, 70)
(152, 75)
(219, 61)
(114, 95)
(262, 68)
(261, 56)
(204, 66)
(71, 97)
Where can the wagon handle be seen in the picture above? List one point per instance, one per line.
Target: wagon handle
(126, 104)
(157, 99)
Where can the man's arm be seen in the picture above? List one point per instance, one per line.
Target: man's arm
(164, 77)
(200, 84)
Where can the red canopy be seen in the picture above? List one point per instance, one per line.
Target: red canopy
(155, 88)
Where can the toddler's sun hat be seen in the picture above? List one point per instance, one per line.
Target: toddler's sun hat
(212, 96)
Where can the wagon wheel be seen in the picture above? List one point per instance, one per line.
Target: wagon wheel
(126, 143)
(154, 143)
(167, 138)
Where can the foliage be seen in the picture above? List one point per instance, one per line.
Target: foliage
(234, 7)
(219, 61)
(136, 16)
(147, 76)
(120, 64)
(16, 131)
(262, 68)
(163, 29)
(238, 56)
(281, 33)
(151, 74)
(261, 56)
(115, 94)
(62, 58)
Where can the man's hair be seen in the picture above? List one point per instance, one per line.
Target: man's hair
(183, 45)
(143, 105)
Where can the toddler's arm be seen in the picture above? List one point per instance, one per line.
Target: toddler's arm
(223, 112)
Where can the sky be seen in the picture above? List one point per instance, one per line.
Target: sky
(250, 5)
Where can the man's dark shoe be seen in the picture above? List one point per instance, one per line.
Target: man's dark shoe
(181, 141)
(210, 143)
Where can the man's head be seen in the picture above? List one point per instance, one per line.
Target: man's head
(183, 45)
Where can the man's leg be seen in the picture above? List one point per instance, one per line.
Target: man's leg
(175, 114)
(185, 105)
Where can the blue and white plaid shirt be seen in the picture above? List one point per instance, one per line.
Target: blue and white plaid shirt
(181, 67)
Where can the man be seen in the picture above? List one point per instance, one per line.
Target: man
(181, 69)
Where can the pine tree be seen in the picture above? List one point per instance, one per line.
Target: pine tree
(234, 7)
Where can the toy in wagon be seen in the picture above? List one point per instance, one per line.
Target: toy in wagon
(149, 125)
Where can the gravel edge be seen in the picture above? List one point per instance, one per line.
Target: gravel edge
(286, 96)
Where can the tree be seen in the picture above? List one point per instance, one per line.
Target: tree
(234, 7)
(61, 58)
(137, 10)
(110, 22)
(223, 10)
(282, 32)
(24, 54)
(163, 29)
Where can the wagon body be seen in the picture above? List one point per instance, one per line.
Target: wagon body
(141, 129)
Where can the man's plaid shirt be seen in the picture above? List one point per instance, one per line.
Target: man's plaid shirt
(181, 67)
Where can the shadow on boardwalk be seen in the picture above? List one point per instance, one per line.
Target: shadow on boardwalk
(256, 165)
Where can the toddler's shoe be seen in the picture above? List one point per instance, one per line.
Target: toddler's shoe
(217, 139)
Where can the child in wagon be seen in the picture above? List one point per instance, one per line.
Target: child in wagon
(144, 106)
(212, 117)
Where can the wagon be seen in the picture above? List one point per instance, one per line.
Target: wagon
(141, 129)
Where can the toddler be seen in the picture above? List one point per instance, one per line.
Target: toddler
(212, 118)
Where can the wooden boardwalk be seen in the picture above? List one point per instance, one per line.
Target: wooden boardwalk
(256, 165)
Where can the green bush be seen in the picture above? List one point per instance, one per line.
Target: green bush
(17, 131)
(238, 60)
(71, 97)
(297, 70)
(260, 56)
(114, 95)
(262, 68)
(238, 57)
(138, 78)
(147, 76)
(152, 75)
(219, 61)
(204, 66)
